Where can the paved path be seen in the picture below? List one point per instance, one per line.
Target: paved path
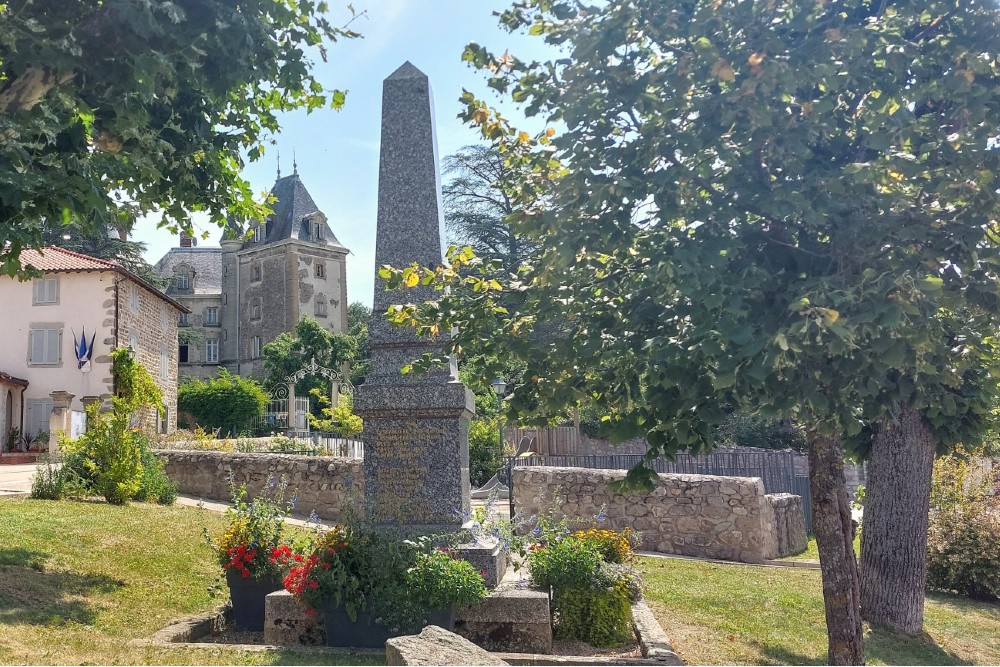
(16, 479)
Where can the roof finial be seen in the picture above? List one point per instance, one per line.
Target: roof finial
(295, 165)
(279, 163)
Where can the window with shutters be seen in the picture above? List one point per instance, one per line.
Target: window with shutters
(212, 351)
(212, 316)
(46, 291)
(44, 345)
(320, 307)
(164, 318)
(134, 299)
(255, 347)
(39, 410)
(164, 365)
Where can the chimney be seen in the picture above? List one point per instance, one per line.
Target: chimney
(186, 240)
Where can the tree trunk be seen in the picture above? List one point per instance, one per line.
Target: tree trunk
(835, 539)
(894, 538)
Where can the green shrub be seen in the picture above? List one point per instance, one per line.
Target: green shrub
(591, 598)
(599, 617)
(566, 563)
(963, 542)
(109, 454)
(49, 483)
(340, 420)
(154, 485)
(485, 455)
(226, 402)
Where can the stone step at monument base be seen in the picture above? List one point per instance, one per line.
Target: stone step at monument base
(512, 619)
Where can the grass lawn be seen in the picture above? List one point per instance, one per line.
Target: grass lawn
(79, 580)
(812, 551)
(738, 614)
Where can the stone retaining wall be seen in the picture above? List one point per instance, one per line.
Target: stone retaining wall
(789, 524)
(706, 516)
(323, 484)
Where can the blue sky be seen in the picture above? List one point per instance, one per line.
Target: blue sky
(337, 152)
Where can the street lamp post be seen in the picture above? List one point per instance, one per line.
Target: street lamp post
(500, 388)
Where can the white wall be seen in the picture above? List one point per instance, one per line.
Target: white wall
(85, 301)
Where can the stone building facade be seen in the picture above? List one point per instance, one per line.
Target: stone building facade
(245, 293)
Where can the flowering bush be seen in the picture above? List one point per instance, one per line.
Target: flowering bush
(614, 546)
(254, 534)
(591, 590)
(398, 581)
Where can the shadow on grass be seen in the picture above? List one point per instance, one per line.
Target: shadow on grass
(881, 645)
(29, 558)
(334, 657)
(32, 595)
(894, 649)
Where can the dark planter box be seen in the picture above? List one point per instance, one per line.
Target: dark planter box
(247, 597)
(365, 632)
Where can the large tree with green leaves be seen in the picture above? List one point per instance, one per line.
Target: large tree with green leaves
(783, 205)
(110, 110)
(477, 206)
(290, 352)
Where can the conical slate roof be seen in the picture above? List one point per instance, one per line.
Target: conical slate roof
(292, 206)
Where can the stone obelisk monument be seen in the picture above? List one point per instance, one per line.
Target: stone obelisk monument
(416, 431)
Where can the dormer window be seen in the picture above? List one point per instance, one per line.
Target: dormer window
(317, 230)
(261, 232)
(183, 277)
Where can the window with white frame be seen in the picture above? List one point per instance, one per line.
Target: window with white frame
(44, 345)
(256, 343)
(182, 320)
(164, 318)
(182, 281)
(46, 291)
(38, 412)
(212, 351)
(320, 307)
(212, 315)
(134, 299)
(164, 365)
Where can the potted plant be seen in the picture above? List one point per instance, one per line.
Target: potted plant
(372, 585)
(246, 549)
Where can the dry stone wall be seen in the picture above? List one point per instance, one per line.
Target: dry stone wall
(327, 485)
(705, 516)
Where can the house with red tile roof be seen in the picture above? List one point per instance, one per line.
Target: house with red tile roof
(59, 330)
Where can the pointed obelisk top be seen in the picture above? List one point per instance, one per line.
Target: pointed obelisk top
(410, 226)
(406, 71)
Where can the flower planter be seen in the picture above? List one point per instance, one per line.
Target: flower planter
(366, 632)
(247, 597)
